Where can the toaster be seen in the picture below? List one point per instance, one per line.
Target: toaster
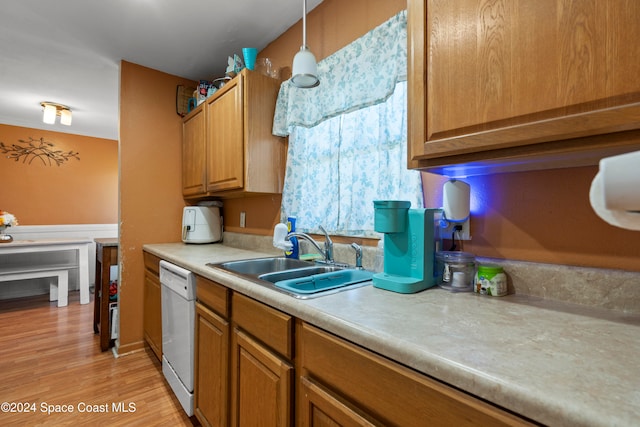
(201, 224)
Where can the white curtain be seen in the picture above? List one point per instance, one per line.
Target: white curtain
(335, 170)
(348, 136)
(361, 74)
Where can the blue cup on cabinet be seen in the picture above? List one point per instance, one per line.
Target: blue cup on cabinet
(192, 104)
(250, 54)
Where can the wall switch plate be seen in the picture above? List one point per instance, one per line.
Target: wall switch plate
(243, 219)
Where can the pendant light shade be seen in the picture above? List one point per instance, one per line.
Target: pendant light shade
(49, 116)
(65, 117)
(305, 69)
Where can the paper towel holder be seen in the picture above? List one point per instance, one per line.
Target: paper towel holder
(613, 194)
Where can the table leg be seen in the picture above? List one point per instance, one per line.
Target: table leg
(83, 272)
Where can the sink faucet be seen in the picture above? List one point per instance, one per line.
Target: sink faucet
(358, 250)
(327, 253)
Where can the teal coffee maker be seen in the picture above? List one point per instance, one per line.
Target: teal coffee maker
(411, 239)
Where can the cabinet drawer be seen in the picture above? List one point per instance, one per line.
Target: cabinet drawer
(272, 327)
(213, 295)
(388, 391)
(152, 263)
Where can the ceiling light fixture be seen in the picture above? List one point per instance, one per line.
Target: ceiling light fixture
(305, 69)
(51, 110)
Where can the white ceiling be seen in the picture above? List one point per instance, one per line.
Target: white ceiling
(68, 51)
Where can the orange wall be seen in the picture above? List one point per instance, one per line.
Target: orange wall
(81, 191)
(541, 216)
(150, 183)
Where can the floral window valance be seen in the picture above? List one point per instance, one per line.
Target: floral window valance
(362, 74)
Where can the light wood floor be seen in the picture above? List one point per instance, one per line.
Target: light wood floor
(50, 356)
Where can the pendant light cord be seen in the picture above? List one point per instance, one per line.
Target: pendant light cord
(304, 23)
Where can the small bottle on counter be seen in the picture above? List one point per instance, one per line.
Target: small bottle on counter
(291, 226)
(491, 280)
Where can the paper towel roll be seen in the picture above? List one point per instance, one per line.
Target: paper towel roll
(615, 191)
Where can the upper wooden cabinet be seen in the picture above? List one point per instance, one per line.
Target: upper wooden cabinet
(225, 117)
(502, 79)
(228, 148)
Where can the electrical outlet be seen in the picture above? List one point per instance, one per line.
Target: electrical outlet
(464, 234)
(243, 219)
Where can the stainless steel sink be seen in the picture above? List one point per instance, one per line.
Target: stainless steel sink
(297, 273)
(300, 279)
(264, 265)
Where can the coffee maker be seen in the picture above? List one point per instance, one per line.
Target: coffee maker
(411, 239)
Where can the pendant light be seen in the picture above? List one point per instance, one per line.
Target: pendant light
(305, 69)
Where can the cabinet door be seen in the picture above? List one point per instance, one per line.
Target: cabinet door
(152, 319)
(388, 391)
(225, 129)
(262, 385)
(320, 408)
(194, 153)
(211, 368)
(502, 75)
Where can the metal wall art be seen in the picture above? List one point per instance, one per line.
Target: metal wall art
(33, 149)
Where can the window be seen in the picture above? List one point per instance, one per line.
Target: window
(348, 137)
(336, 169)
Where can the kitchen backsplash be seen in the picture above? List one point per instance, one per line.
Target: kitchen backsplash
(608, 289)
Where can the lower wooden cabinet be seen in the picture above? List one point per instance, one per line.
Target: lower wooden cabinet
(152, 318)
(262, 372)
(342, 384)
(318, 407)
(211, 352)
(211, 368)
(248, 372)
(262, 385)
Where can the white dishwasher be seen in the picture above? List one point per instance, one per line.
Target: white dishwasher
(178, 290)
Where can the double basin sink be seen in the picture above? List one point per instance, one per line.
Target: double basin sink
(300, 279)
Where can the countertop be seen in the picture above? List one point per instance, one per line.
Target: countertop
(555, 363)
(106, 242)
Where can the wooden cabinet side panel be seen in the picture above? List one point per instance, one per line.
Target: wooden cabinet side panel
(225, 140)
(211, 376)
(194, 153)
(262, 385)
(416, 81)
(265, 154)
(388, 391)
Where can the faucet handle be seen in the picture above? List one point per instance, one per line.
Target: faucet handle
(328, 245)
(358, 250)
(326, 235)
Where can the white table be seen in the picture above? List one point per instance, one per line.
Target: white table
(80, 245)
